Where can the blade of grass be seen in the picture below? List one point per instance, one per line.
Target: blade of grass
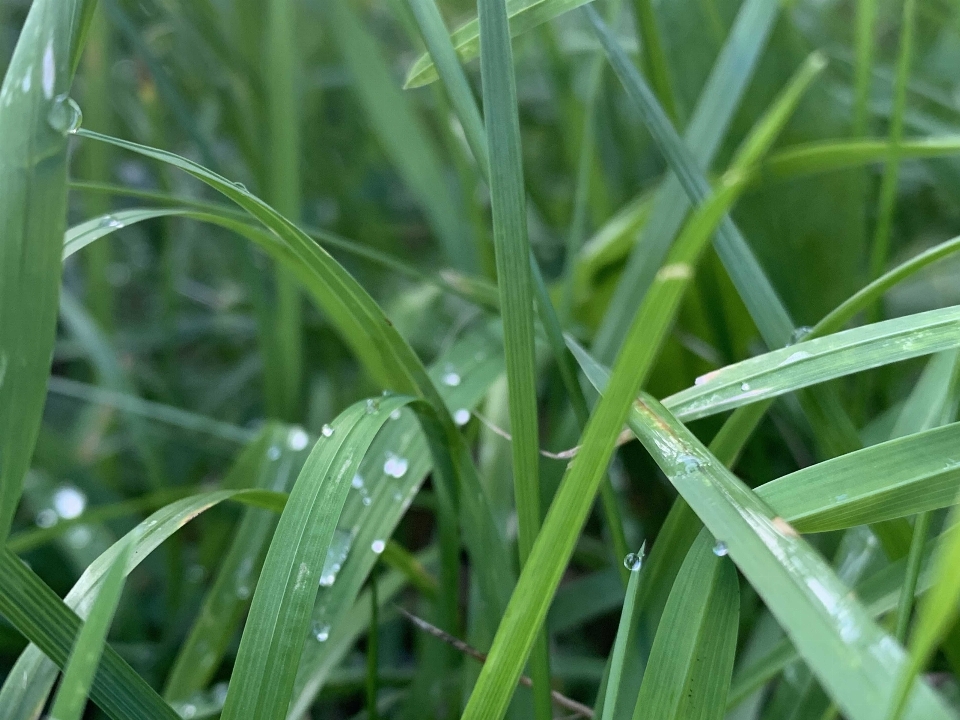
(78, 674)
(512, 248)
(634, 561)
(863, 73)
(654, 59)
(691, 660)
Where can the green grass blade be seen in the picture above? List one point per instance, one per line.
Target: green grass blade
(864, 41)
(36, 116)
(691, 660)
(273, 638)
(619, 651)
(654, 58)
(402, 135)
(524, 15)
(888, 188)
(852, 657)
(715, 110)
(818, 360)
(71, 698)
(513, 254)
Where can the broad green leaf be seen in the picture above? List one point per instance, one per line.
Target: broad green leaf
(715, 109)
(819, 360)
(692, 655)
(71, 698)
(36, 117)
(854, 659)
(513, 255)
(524, 15)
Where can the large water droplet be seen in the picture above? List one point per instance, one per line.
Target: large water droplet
(720, 549)
(461, 417)
(633, 562)
(69, 502)
(395, 466)
(326, 431)
(298, 438)
(64, 115)
(321, 631)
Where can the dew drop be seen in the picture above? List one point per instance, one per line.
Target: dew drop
(461, 417)
(65, 116)
(690, 462)
(109, 221)
(79, 537)
(69, 502)
(720, 549)
(799, 334)
(298, 438)
(373, 406)
(357, 482)
(240, 186)
(273, 452)
(243, 591)
(745, 387)
(378, 546)
(188, 710)
(633, 562)
(366, 500)
(326, 431)
(321, 631)
(395, 415)
(395, 466)
(451, 378)
(46, 518)
(219, 693)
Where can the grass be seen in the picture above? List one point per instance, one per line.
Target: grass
(347, 350)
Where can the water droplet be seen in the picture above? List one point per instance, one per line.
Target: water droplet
(799, 334)
(109, 221)
(321, 631)
(49, 76)
(273, 452)
(79, 537)
(378, 546)
(461, 417)
(395, 415)
(240, 186)
(398, 496)
(336, 556)
(243, 591)
(796, 357)
(219, 693)
(27, 81)
(188, 710)
(298, 438)
(395, 466)
(373, 406)
(745, 387)
(46, 518)
(690, 462)
(65, 116)
(720, 549)
(326, 431)
(357, 482)
(366, 500)
(633, 562)
(69, 502)
(451, 378)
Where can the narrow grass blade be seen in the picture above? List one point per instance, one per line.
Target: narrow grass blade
(78, 675)
(718, 102)
(852, 657)
(654, 58)
(634, 561)
(36, 117)
(691, 660)
(864, 42)
(513, 254)
(403, 135)
(818, 360)
(524, 15)
(36, 611)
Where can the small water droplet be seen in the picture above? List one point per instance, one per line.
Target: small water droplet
(298, 438)
(357, 482)
(64, 115)
(745, 387)
(690, 463)
(326, 431)
(243, 591)
(720, 549)
(219, 693)
(373, 406)
(451, 378)
(79, 537)
(273, 452)
(461, 417)
(366, 500)
(395, 466)
(633, 562)
(109, 221)
(240, 186)
(378, 546)
(321, 631)
(46, 518)
(69, 502)
(188, 710)
(799, 334)
(395, 415)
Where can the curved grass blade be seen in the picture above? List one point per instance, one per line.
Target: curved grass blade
(816, 361)
(36, 116)
(852, 657)
(523, 15)
(691, 660)
(78, 675)
(25, 691)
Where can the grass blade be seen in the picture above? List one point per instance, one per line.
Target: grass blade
(78, 675)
